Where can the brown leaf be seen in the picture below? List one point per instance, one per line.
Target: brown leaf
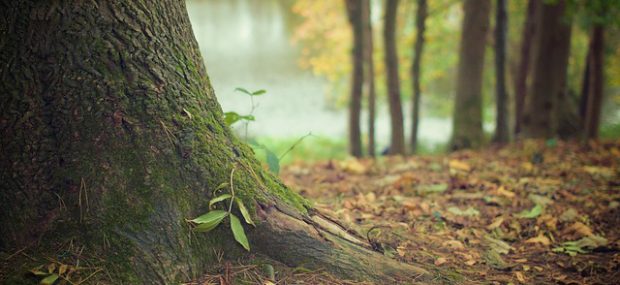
(541, 238)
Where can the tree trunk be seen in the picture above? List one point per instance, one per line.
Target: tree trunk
(111, 137)
(585, 88)
(354, 10)
(415, 71)
(550, 61)
(502, 134)
(370, 76)
(467, 119)
(524, 65)
(595, 82)
(397, 142)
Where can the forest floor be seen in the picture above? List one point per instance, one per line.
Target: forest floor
(529, 213)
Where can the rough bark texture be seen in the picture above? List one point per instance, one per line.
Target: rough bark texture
(369, 72)
(111, 136)
(595, 82)
(397, 141)
(550, 60)
(502, 131)
(467, 118)
(524, 63)
(354, 10)
(421, 14)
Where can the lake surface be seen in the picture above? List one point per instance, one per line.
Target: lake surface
(247, 43)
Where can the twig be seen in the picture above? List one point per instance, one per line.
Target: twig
(294, 145)
(16, 253)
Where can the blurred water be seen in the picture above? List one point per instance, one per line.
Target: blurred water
(246, 43)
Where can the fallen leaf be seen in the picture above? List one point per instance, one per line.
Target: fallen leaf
(459, 165)
(520, 277)
(503, 192)
(440, 261)
(453, 244)
(532, 213)
(469, 212)
(541, 238)
(580, 228)
(496, 223)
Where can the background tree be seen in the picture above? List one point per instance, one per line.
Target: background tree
(550, 60)
(521, 78)
(111, 137)
(422, 13)
(467, 118)
(502, 133)
(596, 16)
(397, 142)
(355, 13)
(369, 72)
(595, 81)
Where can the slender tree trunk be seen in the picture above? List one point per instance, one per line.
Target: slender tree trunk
(111, 137)
(524, 65)
(415, 71)
(354, 10)
(550, 61)
(596, 82)
(585, 87)
(467, 119)
(502, 133)
(397, 142)
(370, 76)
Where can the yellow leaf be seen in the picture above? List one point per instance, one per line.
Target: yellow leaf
(503, 192)
(581, 229)
(496, 223)
(453, 244)
(353, 166)
(527, 166)
(459, 165)
(440, 261)
(541, 238)
(520, 277)
(401, 250)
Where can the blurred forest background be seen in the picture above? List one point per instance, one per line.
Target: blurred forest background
(553, 64)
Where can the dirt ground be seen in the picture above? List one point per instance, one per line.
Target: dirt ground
(531, 213)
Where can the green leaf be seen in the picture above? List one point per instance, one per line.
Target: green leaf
(203, 228)
(272, 161)
(231, 118)
(258, 92)
(49, 280)
(433, 188)
(244, 212)
(469, 212)
(238, 232)
(218, 199)
(215, 216)
(221, 186)
(243, 90)
(532, 213)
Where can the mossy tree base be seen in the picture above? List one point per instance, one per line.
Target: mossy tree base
(111, 137)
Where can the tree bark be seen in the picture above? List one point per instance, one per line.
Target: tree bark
(595, 82)
(550, 61)
(397, 142)
(354, 10)
(111, 137)
(502, 134)
(415, 71)
(467, 119)
(524, 63)
(369, 76)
